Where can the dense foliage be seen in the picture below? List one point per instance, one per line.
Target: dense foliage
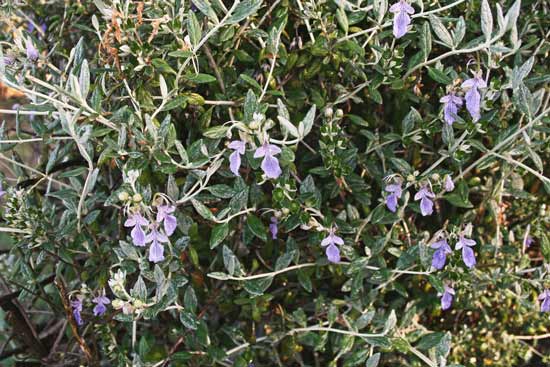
(275, 183)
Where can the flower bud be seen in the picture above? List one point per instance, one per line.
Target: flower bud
(339, 113)
(123, 196)
(328, 112)
(137, 198)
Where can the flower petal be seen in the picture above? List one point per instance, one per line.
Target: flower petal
(446, 301)
(170, 224)
(235, 163)
(426, 206)
(333, 253)
(391, 202)
(473, 102)
(468, 256)
(400, 23)
(260, 152)
(156, 252)
(438, 259)
(270, 166)
(138, 236)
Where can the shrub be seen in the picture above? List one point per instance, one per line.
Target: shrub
(282, 183)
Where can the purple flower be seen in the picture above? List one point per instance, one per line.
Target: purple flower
(156, 251)
(440, 254)
(426, 204)
(270, 164)
(395, 193)
(31, 28)
(32, 52)
(545, 298)
(77, 309)
(239, 148)
(473, 98)
(170, 221)
(448, 185)
(467, 253)
(138, 235)
(8, 60)
(528, 241)
(447, 298)
(100, 302)
(401, 19)
(273, 228)
(332, 251)
(451, 104)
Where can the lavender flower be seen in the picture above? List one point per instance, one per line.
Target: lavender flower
(401, 19)
(440, 255)
(239, 148)
(467, 253)
(451, 104)
(270, 164)
(100, 302)
(426, 204)
(138, 235)
(332, 251)
(391, 199)
(545, 298)
(8, 60)
(164, 215)
(273, 228)
(528, 241)
(77, 309)
(32, 52)
(473, 98)
(448, 185)
(156, 251)
(447, 298)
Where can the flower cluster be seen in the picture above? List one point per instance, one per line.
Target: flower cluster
(157, 235)
(270, 163)
(99, 309)
(401, 18)
(452, 102)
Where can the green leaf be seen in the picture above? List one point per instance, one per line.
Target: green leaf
(219, 232)
(373, 360)
(257, 287)
(216, 132)
(189, 320)
(244, 10)
(257, 227)
(441, 31)
(430, 340)
(200, 78)
(194, 28)
(439, 76)
(202, 210)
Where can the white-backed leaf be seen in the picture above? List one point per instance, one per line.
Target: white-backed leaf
(512, 15)
(500, 19)
(84, 79)
(486, 19)
(441, 31)
(459, 32)
(163, 87)
(288, 127)
(306, 124)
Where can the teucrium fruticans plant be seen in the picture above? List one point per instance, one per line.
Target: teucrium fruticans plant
(276, 183)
